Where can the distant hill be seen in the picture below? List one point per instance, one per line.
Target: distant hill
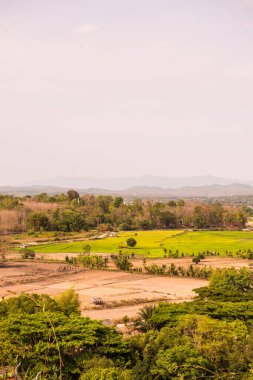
(51, 190)
(129, 182)
(191, 191)
(31, 190)
(141, 191)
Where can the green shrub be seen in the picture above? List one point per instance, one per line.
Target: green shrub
(27, 253)
(131, 242)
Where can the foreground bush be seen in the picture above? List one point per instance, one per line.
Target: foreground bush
(198, 347)
(229, 285)
(203, 339)
(56, 344)
(107, 374)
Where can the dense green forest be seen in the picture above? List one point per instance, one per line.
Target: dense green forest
(71, 212)
(208, 338)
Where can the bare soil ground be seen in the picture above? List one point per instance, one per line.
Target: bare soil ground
(213, 261)
(123, 293)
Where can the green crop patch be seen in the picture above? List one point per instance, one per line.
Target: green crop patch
(160, 243)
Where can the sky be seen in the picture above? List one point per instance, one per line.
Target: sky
(125, 88)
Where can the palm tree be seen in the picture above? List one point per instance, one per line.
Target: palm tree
(145, 314)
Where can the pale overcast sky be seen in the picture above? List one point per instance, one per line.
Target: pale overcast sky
(125, 87)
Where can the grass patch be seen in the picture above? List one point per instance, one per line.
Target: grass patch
(155, 242)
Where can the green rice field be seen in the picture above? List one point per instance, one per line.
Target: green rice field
(155, 243)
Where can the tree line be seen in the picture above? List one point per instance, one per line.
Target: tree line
(73, 212)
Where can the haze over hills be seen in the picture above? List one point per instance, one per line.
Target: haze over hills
(121, 183)
(191, 191)
(141, 191)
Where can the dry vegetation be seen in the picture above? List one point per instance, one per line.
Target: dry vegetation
(36, 206)
(12, 220)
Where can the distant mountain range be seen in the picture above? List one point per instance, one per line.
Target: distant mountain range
(191, 191)
(141, 191)
(121, 183)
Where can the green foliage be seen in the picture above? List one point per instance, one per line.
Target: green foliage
(126, 226)
(32, 338)
(68, 302)
(167, 220)
(8, 202)
(180, 271)
(131, 242)
(86, 248)
(209, 216)
(107, 374)
(229, 284)
(103, 203)
(122, 262)
(102, 368)
(40, 330)
(72, 194)
(118, 201)
(113, 212)
(180, 203)
(169, 314)
(91, 261)
(156, 269)
(196, 260)
(144, 317)
(38, 221)
(44, 197)
(27, 253)
(74, 203)
(198, 347)
(70, 220)
(232, 279)
(191, 340)
(27, 304)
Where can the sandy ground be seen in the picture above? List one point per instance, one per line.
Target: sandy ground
(123, 293)
(213, 261)
(115, 288)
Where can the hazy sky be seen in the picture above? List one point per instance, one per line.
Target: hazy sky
(125, 87)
